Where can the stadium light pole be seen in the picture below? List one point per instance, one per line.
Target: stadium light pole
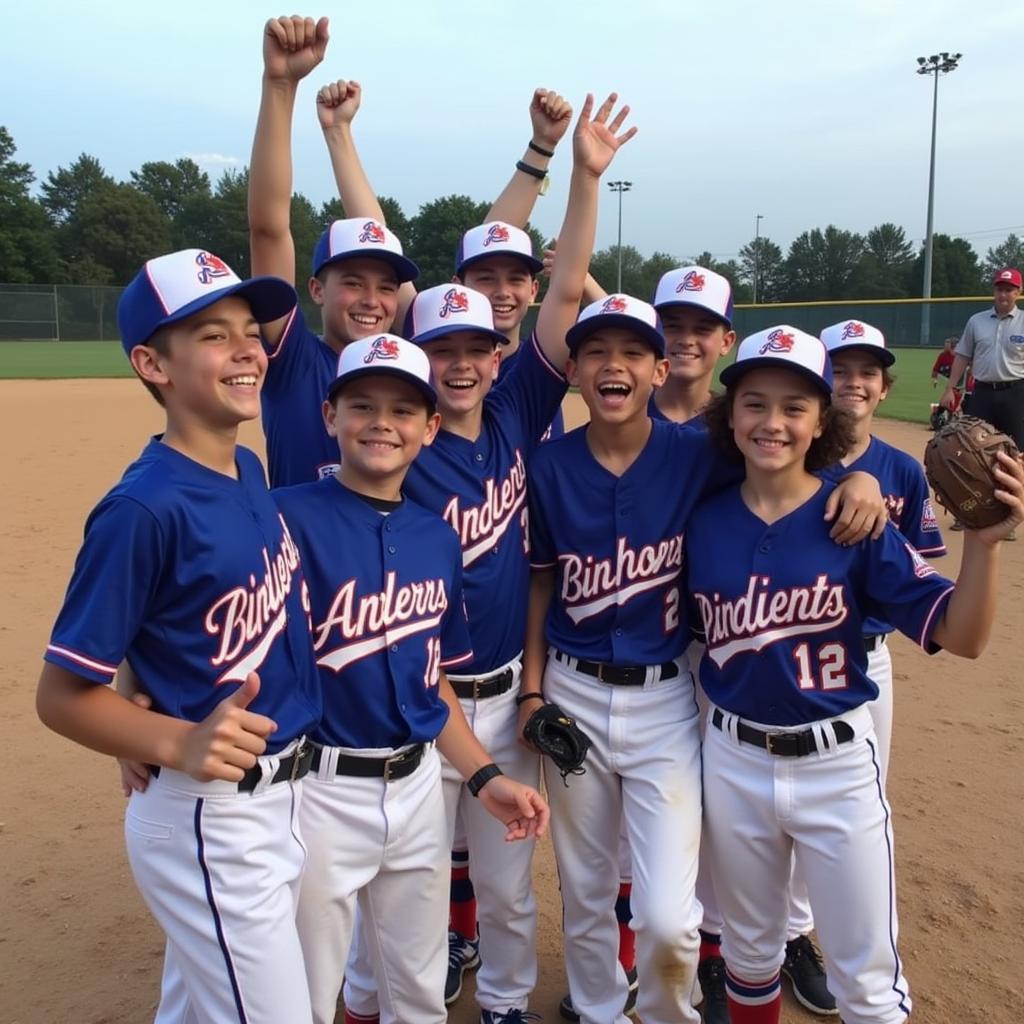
(620, 187)
(937, 64)
(757, 251)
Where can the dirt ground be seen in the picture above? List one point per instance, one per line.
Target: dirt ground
(76, 943)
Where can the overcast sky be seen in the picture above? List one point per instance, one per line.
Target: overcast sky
(808, 113)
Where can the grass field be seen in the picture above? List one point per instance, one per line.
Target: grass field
(910, 398)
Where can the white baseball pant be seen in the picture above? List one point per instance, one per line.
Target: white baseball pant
(220, 871)
(643, 767)
(501, 871)
(830, 810)
(386, 842)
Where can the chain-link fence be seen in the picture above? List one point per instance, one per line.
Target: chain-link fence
(89, 313)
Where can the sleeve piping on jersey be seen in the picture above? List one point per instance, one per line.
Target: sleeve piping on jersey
(284, 334)
(544, 359)
(925, 639)
(540, 566)
(99, 667)
(460, 659)
(934, 552)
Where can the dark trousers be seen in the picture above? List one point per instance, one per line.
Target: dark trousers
(1004, 409)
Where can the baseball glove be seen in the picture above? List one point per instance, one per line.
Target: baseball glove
(959, 463)
(556, 734)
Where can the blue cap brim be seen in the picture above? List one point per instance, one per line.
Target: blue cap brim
(883, 355)
(379, 370)
(404, 268)
(269, 298)
(727, 320)
(735, 372)
(535, 265)
(583, 329)
(443, 332)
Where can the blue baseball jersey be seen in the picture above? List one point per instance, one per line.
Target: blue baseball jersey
(616, 543)
(557, 426)
(479, 489)
(387, 610)
(195, 579)
(783, 608)
(905, 492)
(300, 370)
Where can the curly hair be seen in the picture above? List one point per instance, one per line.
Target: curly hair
(837, 436)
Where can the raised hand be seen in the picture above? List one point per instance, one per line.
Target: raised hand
(550, 115)
(521, 809)
(595, 142)
(229, 740)
(549, 257)
(337, 103)
(1010, 476)
(292, 47)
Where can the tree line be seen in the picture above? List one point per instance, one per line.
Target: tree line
(85, 227)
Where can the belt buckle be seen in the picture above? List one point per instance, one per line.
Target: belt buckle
(769, 738)
(393, 762)
(600, 671)
(300, 752)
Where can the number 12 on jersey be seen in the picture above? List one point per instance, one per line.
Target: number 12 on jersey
(830, 661)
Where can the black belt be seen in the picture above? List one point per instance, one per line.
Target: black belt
(872, 643)
(997, 385)
(483, 686)
(389, 769)
(619, 675)
(782, 744)
(293, 767)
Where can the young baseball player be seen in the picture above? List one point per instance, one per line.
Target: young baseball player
(188, 571)
(358, 266)
(791, 758)
(388, 620)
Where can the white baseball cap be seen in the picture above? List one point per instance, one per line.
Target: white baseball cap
(855, 334)
(618, 310)
(387, 355)
(448, 309)
(695, 286)
(786, 347)
(362, 237)
(495, 238)
(172, 287)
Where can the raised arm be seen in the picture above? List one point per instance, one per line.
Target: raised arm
(336, 106)
(292, 47)
(594, 144)
(550, 115)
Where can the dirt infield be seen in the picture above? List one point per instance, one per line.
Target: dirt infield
(77, 944)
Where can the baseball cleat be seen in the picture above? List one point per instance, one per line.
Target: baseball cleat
(463, 955)
(512, 1016)
(711, 974)
(804, 969)
(568, 1012)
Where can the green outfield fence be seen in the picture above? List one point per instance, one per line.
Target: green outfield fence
(62, 312)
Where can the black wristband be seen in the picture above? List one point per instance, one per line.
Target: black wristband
(533, 172)
(481, 777)
(522, 698)
(549, 153)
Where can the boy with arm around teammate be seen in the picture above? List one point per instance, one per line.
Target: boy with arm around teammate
(212, 619)
(387, 608)
(791, 758)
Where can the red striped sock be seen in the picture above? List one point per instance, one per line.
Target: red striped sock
(753, 1002)
(627, 937)
(356, 1018)
(462, 906)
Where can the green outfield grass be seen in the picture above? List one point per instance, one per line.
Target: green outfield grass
(910, 398)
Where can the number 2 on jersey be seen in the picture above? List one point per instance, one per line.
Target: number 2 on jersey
(831, 663)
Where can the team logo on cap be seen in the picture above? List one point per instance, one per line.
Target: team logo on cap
(382, 348)
(211, 267)
(614, 304)
(852, 330)
(496, 234)
(1006, 275)
(778, 341)
(693, 282)
(372, 232)
(455, 301)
